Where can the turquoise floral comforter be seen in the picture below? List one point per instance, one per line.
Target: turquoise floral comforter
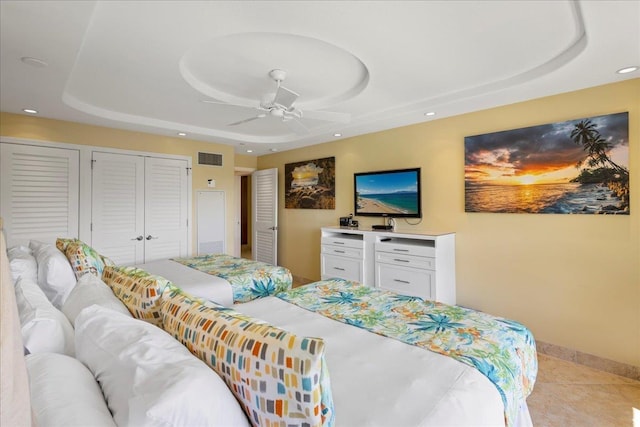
(249, 279)
(503, 350)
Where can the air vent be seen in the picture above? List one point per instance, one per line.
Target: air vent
(210, 159)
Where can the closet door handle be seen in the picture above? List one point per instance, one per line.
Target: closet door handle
(150, 237)
(139, 238)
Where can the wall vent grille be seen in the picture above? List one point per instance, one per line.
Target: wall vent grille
(210, 159)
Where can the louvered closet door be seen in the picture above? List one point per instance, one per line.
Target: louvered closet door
(117, 207)
(39, 190)
(166, 208)
(265, 215)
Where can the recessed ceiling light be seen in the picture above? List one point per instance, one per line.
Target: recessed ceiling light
(430, 113)
(249, 151)
(337, 134)
(30, 111)
(627, 70)
(34, 62)
(182, 134)
(273, 150)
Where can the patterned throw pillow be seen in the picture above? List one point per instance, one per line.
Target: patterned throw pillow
(62, 244)
(279, 378)
(83, 258)
(138, 290)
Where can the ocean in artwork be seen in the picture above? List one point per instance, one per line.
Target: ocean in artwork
(569, 198)
(577, 166)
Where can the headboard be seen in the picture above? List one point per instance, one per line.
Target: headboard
(15, 404)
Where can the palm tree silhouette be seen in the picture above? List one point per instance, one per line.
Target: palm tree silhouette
(586, 134)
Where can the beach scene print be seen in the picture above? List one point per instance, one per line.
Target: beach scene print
(387, 194)
(572, 167)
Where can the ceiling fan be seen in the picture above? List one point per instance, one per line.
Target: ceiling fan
(280, 105)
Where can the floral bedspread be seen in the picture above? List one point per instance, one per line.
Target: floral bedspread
(249, 279)
(503, 350)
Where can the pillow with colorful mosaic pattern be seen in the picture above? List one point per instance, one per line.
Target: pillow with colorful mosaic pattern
(84, 259)
(280, 379)
(139, 290)
(62, 243)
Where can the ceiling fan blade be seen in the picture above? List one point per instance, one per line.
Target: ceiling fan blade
(285, 97)
(296, 126)
(250, 119)
(211, 101)
(329, 116)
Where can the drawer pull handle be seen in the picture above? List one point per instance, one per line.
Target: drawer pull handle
(401, 250)
(338, 268)
(401, 281)
(339, 243)
(338, 252)
(401, 260)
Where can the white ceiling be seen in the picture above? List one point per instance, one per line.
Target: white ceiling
(148, 65)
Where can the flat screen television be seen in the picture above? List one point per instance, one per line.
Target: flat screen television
(391, 193)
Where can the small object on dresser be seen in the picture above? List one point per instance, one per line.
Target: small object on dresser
(382, 227)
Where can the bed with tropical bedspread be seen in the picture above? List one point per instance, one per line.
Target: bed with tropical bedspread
(249, 279)
(502, 350)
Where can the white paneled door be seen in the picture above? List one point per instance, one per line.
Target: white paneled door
(139, 207)
(265, 215)
(39, 192)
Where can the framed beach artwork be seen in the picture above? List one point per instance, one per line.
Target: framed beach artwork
(573, 167)
(310, 184)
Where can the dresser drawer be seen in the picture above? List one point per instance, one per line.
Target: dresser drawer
(414, 248)
(405, 280)
(339, 266)
(406, 260)
(343, 242)
(342, 251)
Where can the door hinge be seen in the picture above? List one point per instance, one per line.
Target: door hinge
(188, 171)
(92, 163)
(91, 227)
(187, 223)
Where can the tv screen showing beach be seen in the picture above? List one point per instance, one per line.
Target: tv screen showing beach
(393, 193)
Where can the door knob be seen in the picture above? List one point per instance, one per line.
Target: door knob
(138, 238)
(150, 237)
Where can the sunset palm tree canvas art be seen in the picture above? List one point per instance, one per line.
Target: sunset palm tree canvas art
(573, 167)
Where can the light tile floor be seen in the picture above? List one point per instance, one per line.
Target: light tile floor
(567, 394)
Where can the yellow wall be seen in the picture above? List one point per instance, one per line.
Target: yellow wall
(573, 279)
(46, 130)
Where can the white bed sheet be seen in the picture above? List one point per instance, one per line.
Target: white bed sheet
(377, 381)
(192, 281)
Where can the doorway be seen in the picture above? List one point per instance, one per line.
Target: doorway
(243, 229)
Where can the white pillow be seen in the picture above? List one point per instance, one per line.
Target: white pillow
(55, 275)
(44, 328)
(64, 393)
(88, 291)
(149, 378)
(22, 263)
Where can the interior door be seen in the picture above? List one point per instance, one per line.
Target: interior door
(39, 192)
(265, 215)
(166, 209)
(118, 207)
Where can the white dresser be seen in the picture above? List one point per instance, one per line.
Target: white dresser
(411, 264)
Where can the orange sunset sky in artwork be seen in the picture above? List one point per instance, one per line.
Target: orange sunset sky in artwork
(543, 154)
